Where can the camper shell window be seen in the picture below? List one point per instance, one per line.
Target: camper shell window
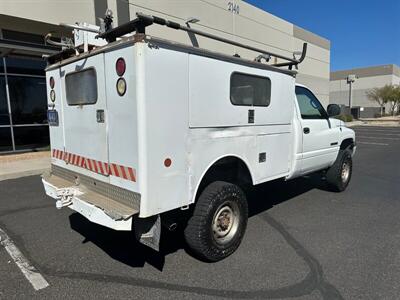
(81, 87)
(250, 90)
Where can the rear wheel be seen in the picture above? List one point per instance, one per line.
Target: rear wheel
(219, 221)
(339, 174)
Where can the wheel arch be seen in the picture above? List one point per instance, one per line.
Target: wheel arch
(346, 143)
(214, 171)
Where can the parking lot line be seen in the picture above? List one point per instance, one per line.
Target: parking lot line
(30, 272)
(377, 137)
(371, 143)
(378, 130)
(395, 134)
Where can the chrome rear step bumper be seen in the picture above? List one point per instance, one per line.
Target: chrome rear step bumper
(95, 204)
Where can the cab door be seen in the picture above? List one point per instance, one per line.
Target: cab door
(320, 141)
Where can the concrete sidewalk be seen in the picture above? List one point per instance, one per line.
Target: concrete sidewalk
(24, 164)
(384, 121)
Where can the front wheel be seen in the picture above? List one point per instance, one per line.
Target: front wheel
(219, 221)
(339, 174)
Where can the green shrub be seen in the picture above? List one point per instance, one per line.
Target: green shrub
(349, 118)
(345, 117)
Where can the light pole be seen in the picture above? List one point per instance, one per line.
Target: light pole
(350, 80)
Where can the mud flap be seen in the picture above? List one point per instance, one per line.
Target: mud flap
(148, 231)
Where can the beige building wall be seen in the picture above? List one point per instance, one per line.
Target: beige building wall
(251, 26)
(248, 25)
(368, 78)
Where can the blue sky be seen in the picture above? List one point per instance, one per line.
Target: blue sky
(362, 33)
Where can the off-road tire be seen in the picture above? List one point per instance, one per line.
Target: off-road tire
(199, 233)
(334, 176)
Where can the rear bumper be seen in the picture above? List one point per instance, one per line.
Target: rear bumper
(94, 204)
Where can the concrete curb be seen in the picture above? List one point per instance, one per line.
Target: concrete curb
(375, 124)
(22, 174)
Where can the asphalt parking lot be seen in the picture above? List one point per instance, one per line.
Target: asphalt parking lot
(302, 242)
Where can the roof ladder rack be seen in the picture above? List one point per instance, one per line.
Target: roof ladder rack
(142, 21)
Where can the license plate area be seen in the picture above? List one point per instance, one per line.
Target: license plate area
(52, 117)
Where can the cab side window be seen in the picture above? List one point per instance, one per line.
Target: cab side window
(310, 107)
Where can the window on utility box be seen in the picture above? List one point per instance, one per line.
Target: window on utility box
(81, 87)
(250, 90)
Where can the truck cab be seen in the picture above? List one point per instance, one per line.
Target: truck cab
(322, 134)
(149, 134)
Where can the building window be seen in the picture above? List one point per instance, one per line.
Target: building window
(250, 90)
(4, 117)
(26, 128)
(23, 36)
(5, 139)
(28, 99)
(31, 137)
(25, 66)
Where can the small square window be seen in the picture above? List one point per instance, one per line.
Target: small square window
(81, 87)
(250, 90)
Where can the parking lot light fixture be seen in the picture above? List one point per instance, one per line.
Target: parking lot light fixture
(351, 78)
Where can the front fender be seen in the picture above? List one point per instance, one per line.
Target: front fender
(346, 135)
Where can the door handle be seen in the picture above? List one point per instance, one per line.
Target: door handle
(306, 130)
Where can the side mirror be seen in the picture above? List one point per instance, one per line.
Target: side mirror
(333, 110)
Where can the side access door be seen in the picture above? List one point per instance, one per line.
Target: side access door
(85, 123)
(320, 140)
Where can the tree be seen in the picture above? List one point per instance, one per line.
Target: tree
(384, 95)
(393, 97)
(397, 99)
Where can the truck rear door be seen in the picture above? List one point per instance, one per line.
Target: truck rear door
(84, 113)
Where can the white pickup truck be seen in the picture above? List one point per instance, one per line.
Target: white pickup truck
(145, 131)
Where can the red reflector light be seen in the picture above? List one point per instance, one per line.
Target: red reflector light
(52, 82)
(167, 162)
(120, 66)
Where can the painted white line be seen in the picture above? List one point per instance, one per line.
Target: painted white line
(395, 134)
(378, 130)
(34, 277)
(368, 143)
(377, 137)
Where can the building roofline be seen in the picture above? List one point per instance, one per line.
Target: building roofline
(311, 37)
(380, 70)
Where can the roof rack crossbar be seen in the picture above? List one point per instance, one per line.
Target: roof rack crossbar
(142, 21)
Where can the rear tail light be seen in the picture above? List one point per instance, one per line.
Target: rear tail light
(52, 95)
(52, 83)
(120, 66)
(121, 86)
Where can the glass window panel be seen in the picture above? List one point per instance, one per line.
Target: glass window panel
(5, 139)
(23, 36)
(34, 137)
(81, 87)
(310, 107)
(1, 65)
(25, 66)
(28, 99)
(250, 90)
(4, 118)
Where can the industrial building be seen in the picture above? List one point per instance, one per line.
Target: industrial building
(23, 25)
(364, 79)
